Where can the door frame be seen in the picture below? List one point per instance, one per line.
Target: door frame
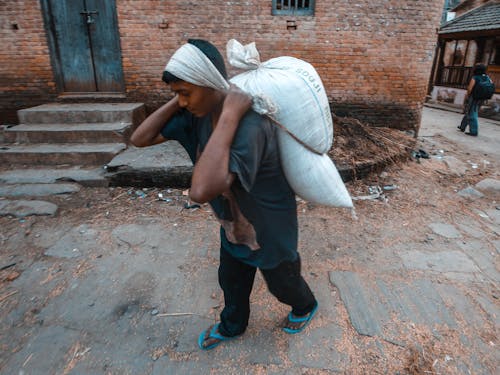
(48, 20)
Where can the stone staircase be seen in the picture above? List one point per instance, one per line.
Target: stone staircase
(82, 134)
(56, 148)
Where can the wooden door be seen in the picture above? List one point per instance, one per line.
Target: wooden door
(85, 45)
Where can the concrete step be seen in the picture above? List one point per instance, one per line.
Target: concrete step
(60, 154)
(91, 177)
(37, 190)
(67, 133)
(75, 113)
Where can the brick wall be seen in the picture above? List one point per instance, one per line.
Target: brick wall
(25, 72)
(374, 56)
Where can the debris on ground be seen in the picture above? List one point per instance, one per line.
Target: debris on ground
(357, 144)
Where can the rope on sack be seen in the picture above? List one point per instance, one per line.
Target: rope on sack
(282, 127)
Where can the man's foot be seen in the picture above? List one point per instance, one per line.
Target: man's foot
(295, 324)
(460, 128)
(469, 133)
(211, 338)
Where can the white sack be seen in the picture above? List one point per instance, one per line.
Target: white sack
(302, 108)
(313, 177)
(295, 89)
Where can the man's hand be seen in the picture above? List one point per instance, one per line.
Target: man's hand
(148, 133)
(237, 102)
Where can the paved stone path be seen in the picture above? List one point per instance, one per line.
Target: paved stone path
(130, 296)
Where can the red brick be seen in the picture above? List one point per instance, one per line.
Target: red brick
(373, 56)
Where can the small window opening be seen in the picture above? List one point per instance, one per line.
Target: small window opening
(293, 7)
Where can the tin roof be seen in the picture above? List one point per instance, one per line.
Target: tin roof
(486, 17)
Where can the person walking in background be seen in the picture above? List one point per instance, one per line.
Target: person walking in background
(480, 88)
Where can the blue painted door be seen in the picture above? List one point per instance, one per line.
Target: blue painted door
(85, 45)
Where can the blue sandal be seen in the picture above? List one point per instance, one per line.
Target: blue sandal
(300, 319)
(212, 335)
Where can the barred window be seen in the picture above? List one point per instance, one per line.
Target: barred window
(293, 7)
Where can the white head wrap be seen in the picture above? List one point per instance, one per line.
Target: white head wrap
(191, 65)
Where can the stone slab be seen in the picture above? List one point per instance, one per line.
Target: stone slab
(460, 304)
(494, 215)
(74, 243)
(445, 230)
(482, 256)
(470, 193)
(37, 190)
(456, 166)
(57, 154)
(356, 299)
(371, 306)
(162, 165)
(23, 208)
(82, 112)
(317, 349)
(417, 301)
(67, 133)
(471, 229)
(489, 185)
(490, 306)
(87, 177)
(33, 358)
(442, 261)
(163, 155)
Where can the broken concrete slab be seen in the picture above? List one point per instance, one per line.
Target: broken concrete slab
(78, 113)
(23, 208)
(33, 358)
(496, 243)
(456, 166)
(445, 230)
(490, 307)
(74, 243)
(460, 304)
(372, 305)
(489, 185)
(471, 229)
(93, 177)
(317, 349)
(131, 234)
(37, 190)
(470, 193)
(482, 256)
(162, 165)
(356, 299)
(442, 261)
(57, 154)
(417, 301)
(494, 215)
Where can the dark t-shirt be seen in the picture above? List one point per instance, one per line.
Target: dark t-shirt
(259, 215)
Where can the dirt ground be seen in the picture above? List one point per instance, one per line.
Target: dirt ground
(418, 192)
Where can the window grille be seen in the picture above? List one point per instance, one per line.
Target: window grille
(293, 7)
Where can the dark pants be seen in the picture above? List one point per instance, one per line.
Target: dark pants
(471, 116)
(236, 280)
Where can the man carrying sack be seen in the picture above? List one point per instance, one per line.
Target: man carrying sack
(237, 169)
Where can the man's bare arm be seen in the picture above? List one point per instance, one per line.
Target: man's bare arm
(148, 133)
(211, 175)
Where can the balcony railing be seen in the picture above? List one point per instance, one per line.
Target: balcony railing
(455, 76)
(459, 76)
(494, 73)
